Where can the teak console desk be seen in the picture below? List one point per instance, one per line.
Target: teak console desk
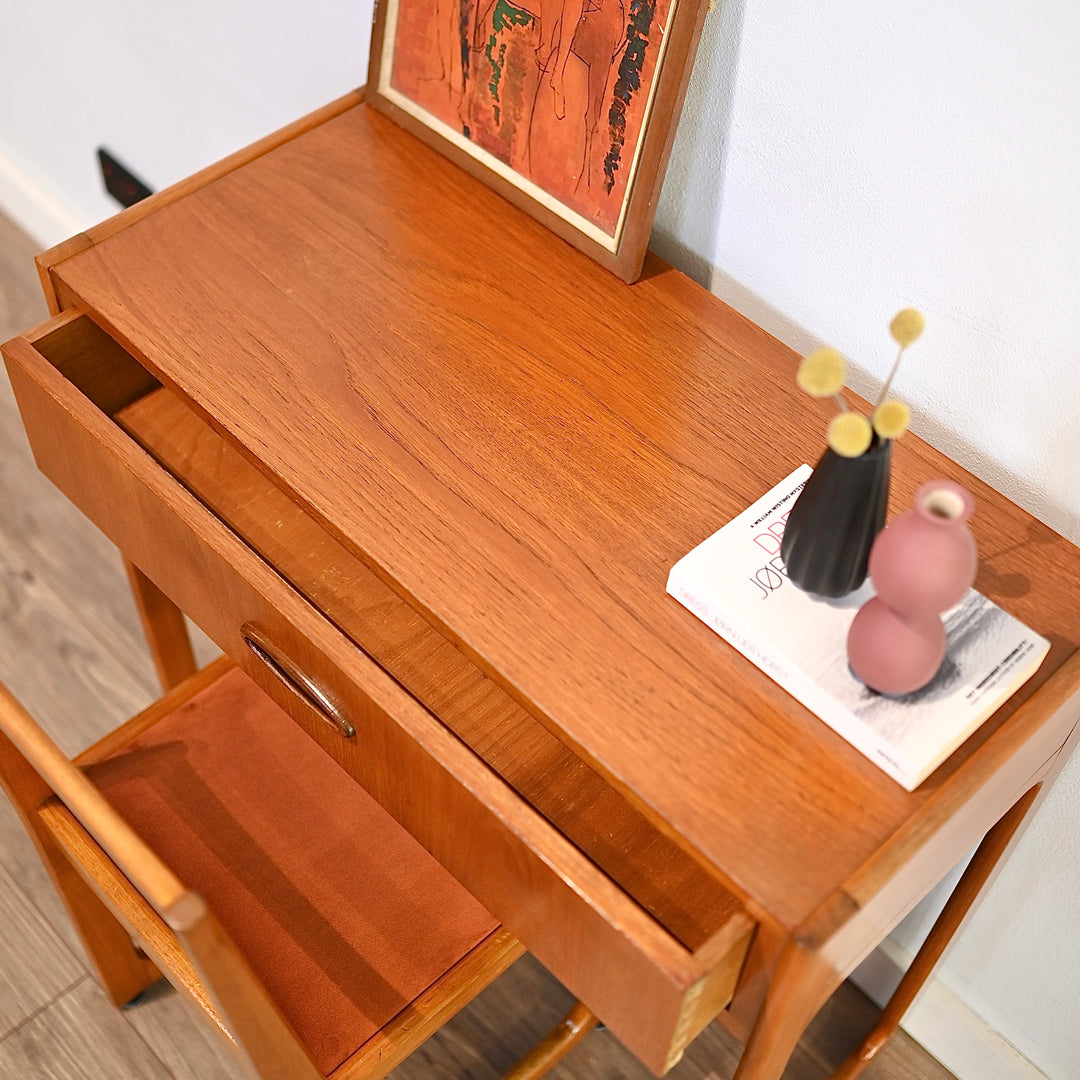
(422, 468)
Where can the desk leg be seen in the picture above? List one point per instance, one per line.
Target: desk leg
(166, 632)
(802, 983)
(967, 891)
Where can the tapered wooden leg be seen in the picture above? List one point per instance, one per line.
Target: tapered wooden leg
(573, 1027)
(803, 981)
(165, 629)
(121, 969)
(967, 891)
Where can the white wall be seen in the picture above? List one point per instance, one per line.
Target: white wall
(874, 159)
(837, 160)
(166, 86)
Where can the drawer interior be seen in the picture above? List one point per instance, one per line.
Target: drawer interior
(103, 370)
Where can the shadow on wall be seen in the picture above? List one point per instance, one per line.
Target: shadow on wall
(688, 215)
(1033, 493)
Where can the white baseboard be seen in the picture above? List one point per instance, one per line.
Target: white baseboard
(943, 1024)
(33, 209)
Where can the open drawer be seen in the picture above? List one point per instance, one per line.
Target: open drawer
(626, 919)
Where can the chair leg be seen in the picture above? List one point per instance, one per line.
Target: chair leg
(121, 968)
(571, 1030)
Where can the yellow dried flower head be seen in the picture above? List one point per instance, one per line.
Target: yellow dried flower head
(822, 373)
(850, 434)
(891, 419)
(907, 326)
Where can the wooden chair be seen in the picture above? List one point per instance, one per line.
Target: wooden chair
(210, 840)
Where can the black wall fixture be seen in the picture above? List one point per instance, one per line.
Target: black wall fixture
(120, 182)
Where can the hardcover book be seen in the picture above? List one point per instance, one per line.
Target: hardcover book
(735, 583)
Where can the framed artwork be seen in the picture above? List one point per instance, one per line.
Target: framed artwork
(566, 107)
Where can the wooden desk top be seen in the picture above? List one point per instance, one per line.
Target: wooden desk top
(522, 445)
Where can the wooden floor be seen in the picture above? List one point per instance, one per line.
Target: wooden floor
(71, 649)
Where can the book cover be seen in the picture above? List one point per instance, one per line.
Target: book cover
(735, 583)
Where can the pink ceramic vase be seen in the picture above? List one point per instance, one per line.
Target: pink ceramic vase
(921, 565)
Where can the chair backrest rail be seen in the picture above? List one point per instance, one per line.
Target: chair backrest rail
(142, 866)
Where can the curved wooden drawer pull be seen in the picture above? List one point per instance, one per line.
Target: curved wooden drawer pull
(297, 681)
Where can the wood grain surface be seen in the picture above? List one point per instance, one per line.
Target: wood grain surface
(60, 574)
(575, 919)
(520, 446)
(574, 797)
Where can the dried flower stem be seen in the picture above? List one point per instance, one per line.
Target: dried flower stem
(892, 375)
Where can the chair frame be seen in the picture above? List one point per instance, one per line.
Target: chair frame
(137, 920)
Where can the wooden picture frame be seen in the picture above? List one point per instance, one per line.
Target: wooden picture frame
(577, 133)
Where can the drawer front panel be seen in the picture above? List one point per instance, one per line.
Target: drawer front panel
(594, 938)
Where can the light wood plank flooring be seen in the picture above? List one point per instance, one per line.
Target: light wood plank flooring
(71, 649)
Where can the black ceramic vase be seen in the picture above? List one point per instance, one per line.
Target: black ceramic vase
(834, 521)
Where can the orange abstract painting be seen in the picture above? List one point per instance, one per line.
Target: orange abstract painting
(555, 91)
